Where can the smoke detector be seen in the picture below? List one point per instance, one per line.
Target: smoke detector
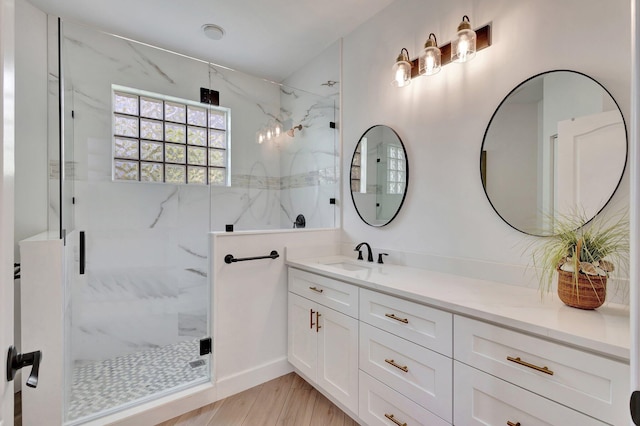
(212, 31)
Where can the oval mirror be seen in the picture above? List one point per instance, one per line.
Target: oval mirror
(556, 145)
(379, 175)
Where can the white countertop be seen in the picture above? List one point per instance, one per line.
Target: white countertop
(604, 330)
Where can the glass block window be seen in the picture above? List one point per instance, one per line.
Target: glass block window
(396, 172)
(157, 138)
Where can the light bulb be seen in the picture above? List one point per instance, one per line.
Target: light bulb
(260, 137)
(463, 48)
(401, 78)
(430, 62)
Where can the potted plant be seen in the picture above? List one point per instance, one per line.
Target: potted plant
(582, 255)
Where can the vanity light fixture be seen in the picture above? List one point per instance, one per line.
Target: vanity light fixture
(433, 57)
(402, 70)
(429, 62)
(463, 49)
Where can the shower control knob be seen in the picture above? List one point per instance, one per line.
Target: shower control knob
(16, 361)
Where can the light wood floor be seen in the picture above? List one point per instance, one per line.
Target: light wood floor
(287, 400)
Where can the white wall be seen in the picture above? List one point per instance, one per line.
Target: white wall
(442, 118)
(250, 303)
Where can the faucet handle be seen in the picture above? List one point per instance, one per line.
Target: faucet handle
(380, 257)
(359, 254)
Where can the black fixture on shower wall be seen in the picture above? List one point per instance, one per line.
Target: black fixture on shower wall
(208, 96)
(300, 222)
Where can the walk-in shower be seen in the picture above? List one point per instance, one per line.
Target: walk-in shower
(146, 172)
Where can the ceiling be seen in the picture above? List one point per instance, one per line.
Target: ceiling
(269, 39)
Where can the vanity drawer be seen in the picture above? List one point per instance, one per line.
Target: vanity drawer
(428, 327)
(378, 402)
(331, 293)
(588, 383)
(481, 399)
(420, 374)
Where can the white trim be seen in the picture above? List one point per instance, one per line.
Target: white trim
(635, 195)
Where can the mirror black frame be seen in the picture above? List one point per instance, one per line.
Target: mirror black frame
(482, 159)
(406, 187)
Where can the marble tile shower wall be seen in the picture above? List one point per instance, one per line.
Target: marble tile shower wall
(147, 254)
(309, 160)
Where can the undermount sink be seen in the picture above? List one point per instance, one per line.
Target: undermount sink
(348, 266)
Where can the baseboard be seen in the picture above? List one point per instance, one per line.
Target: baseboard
(233, 384)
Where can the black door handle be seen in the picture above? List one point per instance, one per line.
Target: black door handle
(15, 361)
(82, 253)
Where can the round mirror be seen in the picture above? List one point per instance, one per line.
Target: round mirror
(379, 175)
(556, 145)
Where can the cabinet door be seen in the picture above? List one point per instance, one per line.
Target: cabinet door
(338, 356)
(302, 337)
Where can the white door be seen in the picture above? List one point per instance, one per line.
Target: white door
(6, 202)
(589, 152)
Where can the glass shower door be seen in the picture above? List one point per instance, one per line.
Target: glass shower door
(138, 293)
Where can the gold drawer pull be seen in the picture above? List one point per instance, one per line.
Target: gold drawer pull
(400, 367)
(393, 316)
(393, 419)
(513, 424)
(316, 289)
(517, 360)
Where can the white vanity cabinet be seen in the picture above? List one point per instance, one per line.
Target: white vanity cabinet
(565, 376)
(392, 361)
(323, 342)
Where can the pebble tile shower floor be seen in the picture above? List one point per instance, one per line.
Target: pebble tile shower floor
(107, 384)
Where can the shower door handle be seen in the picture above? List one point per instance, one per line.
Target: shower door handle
(82, 253)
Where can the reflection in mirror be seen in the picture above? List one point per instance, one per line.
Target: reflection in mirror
(379, 175)
(557, 144)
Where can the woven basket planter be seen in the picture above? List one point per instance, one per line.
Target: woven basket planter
(589, 293)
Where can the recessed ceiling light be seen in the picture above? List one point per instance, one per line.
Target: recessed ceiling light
(212, 31)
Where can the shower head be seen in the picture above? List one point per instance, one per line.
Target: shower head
(292, 130)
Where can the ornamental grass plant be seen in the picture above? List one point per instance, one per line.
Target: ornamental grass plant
(594, 248)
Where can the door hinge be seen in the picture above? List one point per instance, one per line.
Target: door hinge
(205, 346)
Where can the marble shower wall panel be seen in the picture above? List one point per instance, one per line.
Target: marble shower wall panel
(309, 159)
